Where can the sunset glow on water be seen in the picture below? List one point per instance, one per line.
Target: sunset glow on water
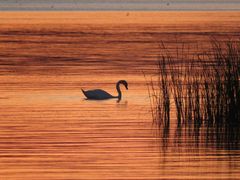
(49, 131)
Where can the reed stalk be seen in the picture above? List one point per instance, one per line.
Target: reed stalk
(202, 91)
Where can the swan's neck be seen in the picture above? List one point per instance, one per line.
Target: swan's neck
(119, 91)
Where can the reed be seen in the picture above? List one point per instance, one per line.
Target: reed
(201, 90)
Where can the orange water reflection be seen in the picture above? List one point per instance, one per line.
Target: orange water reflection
(48, 130)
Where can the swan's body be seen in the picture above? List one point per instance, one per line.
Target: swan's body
(99, 94)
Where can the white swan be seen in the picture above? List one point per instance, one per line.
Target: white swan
(100, 94)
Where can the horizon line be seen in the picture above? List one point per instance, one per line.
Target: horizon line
(123, 5)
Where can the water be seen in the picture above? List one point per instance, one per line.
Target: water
(49, 131)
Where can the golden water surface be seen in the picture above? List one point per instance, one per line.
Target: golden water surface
(49, 131)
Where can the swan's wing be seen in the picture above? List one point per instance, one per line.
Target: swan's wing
(97, 94)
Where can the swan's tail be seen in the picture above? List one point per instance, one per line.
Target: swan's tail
(83, 92)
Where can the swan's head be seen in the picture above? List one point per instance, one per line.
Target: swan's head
(124, 83)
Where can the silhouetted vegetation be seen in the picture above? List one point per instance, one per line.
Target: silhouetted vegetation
(201, 92)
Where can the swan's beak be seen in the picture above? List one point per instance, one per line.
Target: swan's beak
(126, 87)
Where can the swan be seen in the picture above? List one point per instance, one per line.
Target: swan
(99, 94)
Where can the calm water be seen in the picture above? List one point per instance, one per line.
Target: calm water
(49, 131)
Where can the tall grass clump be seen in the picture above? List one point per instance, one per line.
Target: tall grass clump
(199, 91)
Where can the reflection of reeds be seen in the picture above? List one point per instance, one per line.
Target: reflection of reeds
(205, 90)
